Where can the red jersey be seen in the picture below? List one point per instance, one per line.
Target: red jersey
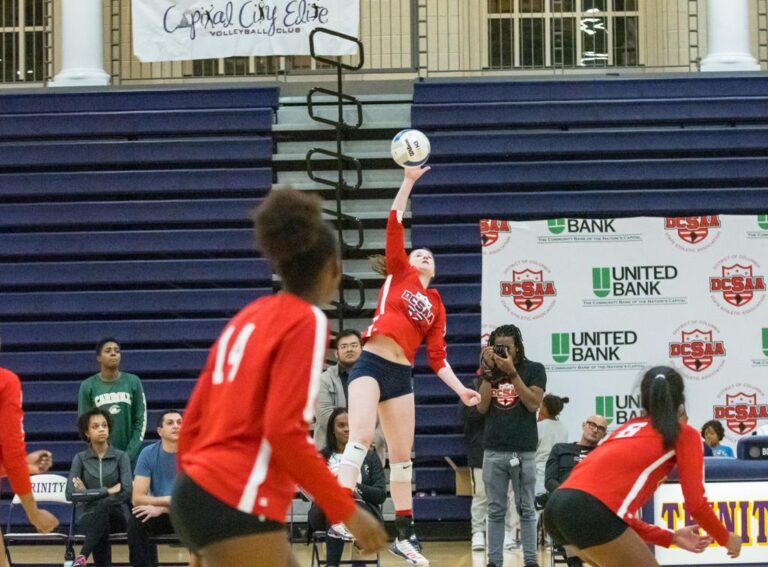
(407, 312)
(624, 471)
(245, 438)
(13, 453)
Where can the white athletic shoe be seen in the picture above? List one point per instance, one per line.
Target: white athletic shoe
(404, 548)
(511, 542)
(340, 531)
(478, 541)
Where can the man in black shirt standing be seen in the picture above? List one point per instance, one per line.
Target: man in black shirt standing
(511, 391)
(565, 456)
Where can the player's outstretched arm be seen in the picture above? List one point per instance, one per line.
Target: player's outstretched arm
(410, 176)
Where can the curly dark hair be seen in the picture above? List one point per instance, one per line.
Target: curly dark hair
(291, 233)
(716, 426)
(84, 421)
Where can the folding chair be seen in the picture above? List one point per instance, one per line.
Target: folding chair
(48, 489)
(318, 539)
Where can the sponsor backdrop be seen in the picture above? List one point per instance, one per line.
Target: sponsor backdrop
(176, 30)
(600, 300)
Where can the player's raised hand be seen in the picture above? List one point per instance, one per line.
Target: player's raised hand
(415, 173)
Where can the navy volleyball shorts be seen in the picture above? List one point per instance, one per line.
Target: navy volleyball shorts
(574, 517)
(394, 379)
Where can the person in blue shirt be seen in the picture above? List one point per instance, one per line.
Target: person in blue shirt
(712, 432)
(152, 487)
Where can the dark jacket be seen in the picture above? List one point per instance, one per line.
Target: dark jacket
(373, 488)
(98, 475)
(474, 426)
(562, 458)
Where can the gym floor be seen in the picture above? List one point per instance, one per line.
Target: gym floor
(440, 554)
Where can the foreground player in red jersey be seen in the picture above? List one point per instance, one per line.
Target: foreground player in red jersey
(593, 513)
(245, 443)
(13, 459)
(408, 313)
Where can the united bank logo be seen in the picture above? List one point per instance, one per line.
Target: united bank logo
(594, 350)
(741, 408)
(585, 230)
(762, 362)
(618, 409)
(530, 289)
(739, 286)
(698, 346)
(634, 285)
(762, 221)
(490, 230)
(693, 233)
(761, 224)
(581, 226)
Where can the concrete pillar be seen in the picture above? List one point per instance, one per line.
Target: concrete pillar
(728, 37)
(82, 47)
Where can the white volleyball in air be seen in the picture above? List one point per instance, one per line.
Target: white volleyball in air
(410, 148)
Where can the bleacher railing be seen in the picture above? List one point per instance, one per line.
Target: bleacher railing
(343, 162)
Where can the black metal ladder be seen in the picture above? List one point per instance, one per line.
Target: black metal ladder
(343, 130)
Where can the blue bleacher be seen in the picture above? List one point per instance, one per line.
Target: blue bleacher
(550, 148)
(125, 213)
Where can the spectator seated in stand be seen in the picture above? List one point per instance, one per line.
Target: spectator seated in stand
(100, 483)
(712, 432)
(152, 488)
(370, 492)
(565, 456)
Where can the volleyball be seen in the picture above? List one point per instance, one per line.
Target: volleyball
(410, 148)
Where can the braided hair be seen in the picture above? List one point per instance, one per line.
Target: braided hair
(517, 337)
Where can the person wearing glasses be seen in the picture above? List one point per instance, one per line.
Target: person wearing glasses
(564, 456)
(333, 393)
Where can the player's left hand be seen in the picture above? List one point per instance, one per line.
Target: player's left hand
(469, 397)
(690, 539)
(39, 462)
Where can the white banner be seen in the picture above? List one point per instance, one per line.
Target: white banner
(741, 506)
(600, 300)
(178, 30)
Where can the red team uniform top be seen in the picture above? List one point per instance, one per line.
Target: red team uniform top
(245, 437)
(407, 312)
(635, 456)
(13, 454)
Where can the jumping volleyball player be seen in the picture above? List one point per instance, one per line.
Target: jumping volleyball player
(593, 512)
(245, 444)
(408, 313)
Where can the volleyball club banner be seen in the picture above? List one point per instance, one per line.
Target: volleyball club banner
(176, 30)
(598, 301)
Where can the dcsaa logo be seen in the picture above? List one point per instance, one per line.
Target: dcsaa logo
(490, 229)
(528, 289)
(696, 349)
(737, 284)
(742, 409)
(692, 230)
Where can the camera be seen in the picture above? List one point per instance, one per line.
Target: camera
(501, 350)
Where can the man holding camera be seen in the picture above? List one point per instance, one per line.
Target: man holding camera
(512, 389)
